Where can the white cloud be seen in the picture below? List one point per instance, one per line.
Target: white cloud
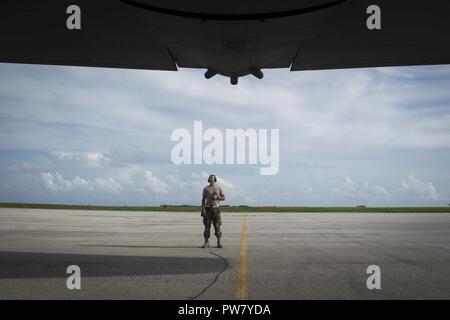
(127, 181)
(378, 190)
(56, 182)
(360, 191)
(355, 125)
(348, 183)
(91, 159)
(418, 189)
(154, 185)
(109, 185)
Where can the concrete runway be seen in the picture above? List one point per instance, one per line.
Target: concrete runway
(156, 255)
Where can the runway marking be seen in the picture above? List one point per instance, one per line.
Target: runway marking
(241, 292)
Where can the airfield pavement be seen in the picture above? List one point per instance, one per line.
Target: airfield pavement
(156, 255)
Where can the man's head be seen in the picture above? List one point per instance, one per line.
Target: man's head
(212, 178)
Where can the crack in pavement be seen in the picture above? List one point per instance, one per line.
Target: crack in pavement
(216, 277)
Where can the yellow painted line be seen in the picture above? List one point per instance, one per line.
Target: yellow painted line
(242, 270)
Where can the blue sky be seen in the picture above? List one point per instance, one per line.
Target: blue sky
(347, 137)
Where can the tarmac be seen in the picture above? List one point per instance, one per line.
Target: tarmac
(157, 255)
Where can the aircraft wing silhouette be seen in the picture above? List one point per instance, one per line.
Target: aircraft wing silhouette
(232, 38)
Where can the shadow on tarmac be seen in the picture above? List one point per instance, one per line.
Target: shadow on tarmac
(18, 265)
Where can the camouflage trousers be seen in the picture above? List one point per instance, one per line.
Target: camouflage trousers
(212, 215)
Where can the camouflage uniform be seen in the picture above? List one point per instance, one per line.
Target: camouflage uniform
(212, 214)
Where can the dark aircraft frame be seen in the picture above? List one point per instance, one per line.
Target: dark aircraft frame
(230, 38)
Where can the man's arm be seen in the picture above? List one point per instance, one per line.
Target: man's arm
(221, 195)
(203, 201)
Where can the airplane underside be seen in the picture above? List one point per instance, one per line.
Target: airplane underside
(232, 39)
